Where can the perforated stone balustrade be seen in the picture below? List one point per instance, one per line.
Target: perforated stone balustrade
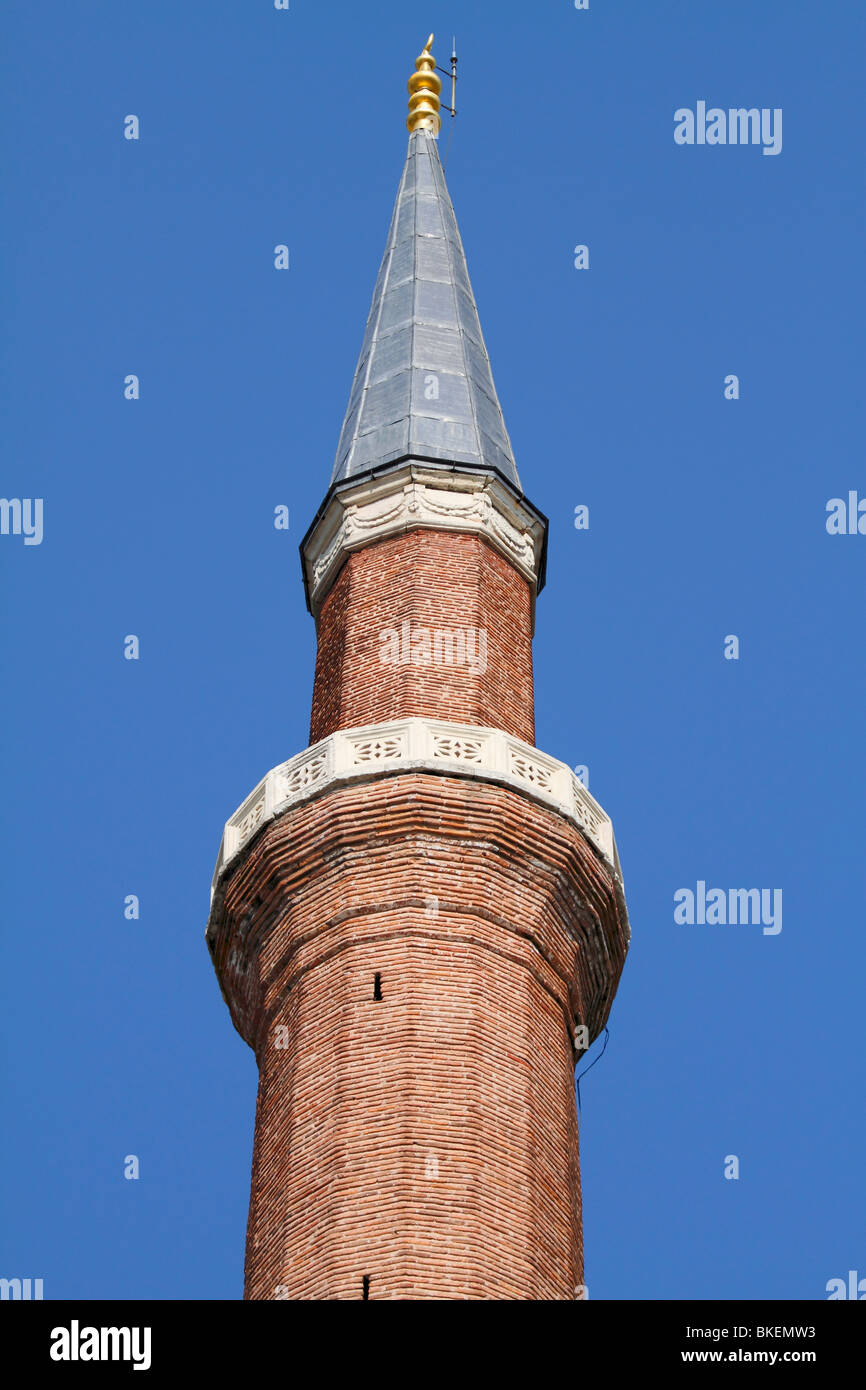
(409, 745)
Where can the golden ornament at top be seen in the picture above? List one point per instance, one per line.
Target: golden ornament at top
(424, 88)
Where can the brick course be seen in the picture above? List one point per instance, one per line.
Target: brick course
(433, 580)
(426, 1140)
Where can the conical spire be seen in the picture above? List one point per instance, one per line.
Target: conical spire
(423, 387)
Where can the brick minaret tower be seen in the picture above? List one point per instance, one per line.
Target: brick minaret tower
(418, 922)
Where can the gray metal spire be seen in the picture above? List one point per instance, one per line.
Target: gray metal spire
(423, 386)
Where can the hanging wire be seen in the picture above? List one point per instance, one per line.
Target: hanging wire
(590, 1067)
(448, 147)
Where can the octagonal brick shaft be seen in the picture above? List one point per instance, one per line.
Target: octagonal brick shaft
(410, 957)
(447, 594)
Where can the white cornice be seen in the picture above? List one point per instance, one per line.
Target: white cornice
(416, 496)
(418, 745)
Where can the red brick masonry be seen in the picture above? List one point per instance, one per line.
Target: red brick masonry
(432, 580)
(425, 1140)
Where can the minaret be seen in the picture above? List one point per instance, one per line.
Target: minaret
(418, 922)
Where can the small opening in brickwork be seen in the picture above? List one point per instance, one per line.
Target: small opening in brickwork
(366, 1294)
(377, 986)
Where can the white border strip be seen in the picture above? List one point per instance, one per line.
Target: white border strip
(413, 497)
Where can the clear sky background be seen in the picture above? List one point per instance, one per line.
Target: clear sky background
(707, 518)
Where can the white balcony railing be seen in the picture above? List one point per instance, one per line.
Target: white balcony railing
(418, 745)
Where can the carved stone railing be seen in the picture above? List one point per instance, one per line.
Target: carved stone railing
(418, 745)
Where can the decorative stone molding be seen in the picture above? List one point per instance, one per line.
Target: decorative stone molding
(418, 745)
(421, 496)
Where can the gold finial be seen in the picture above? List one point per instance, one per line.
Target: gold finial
(424, 88)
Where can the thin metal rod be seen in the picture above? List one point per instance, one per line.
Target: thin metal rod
(453, 76)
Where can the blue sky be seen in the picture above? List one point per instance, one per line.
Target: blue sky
(707, 518)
